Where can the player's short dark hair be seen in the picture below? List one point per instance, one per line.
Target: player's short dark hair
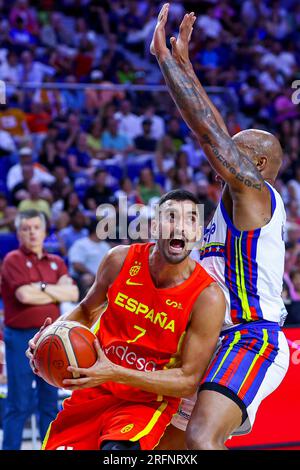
(178, 195)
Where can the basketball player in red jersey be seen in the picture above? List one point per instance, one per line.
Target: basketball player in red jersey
(156, 337)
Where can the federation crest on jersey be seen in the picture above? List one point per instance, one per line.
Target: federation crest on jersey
(127, 428)
(135, 269)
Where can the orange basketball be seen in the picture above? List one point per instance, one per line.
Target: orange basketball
(64, 344)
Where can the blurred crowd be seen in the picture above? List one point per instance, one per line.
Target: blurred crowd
(65, 150)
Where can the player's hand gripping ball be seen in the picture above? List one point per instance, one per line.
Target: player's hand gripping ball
(63, 344)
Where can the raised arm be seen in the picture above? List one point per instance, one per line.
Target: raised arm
(193, 103)
(180, 52)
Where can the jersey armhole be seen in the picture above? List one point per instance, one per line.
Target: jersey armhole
(273, 198)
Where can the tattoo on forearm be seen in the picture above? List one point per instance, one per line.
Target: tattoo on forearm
(237, 172)
(191, 100)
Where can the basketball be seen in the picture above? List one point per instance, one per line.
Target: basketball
(64, 344)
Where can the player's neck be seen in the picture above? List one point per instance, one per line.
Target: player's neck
(165, 274)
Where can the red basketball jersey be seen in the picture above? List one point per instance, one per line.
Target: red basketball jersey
(143, 326)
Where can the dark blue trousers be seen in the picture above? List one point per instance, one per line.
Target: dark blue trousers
(22, 399)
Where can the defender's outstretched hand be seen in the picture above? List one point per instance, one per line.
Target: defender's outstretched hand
(158, 45)
(180, 46)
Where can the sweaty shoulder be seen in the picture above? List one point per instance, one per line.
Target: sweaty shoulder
(211, 299)
(113, 263)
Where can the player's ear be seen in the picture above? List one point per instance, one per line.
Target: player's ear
(261, 163)
(154, 227)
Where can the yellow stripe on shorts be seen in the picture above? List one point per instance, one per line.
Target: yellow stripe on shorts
(151, 423)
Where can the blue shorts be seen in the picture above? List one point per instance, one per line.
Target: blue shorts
(249, 363)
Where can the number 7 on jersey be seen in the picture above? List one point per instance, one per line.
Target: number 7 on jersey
(142, 332)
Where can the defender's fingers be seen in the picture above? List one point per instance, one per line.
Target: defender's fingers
(163, 14)
(173, 42)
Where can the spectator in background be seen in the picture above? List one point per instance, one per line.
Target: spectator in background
(147, 188)
(182, 180)
(73, 99)
(292, 282)
(165, 155)
(85, 255)
(182, 163)
(128, 122)
(65, 207)
(144, 143)
(38, 119)
(94, 140)
(111, 57)
(128, 190)
(96, 99)
(294, 285)
(202, 196)
(54, 154)
(7, 215)
(79, 158)
(7, 144)
(115, 143)
(20, 36)
(294, 185)
(9, 67)
(34, 200)
(22, 10)
(157, 122)
(13, 120)
(210, 25)
(174, 131)
(193, 150)
(99, 192)
(33, 284)
(73, 232)
(15, 174)
(61, 186)
(53, 33)
(19, 191)
(32, 71)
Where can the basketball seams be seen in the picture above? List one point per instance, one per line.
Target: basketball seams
(49, 354)
(86, 341)
(58, 336)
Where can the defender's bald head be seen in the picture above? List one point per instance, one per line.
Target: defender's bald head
(263, 149)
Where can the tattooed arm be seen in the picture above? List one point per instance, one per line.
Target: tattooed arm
(180, 52)
(193, 103)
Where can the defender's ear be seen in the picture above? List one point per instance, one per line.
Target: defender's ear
(261, 163)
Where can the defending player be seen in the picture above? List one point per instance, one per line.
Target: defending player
(243, 250)
(155, 292)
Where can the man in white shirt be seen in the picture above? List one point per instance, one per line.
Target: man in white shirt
(129, 123)
(85, 255)
(211, 27)
(157, 123)
(32, 71)
(15, 174)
